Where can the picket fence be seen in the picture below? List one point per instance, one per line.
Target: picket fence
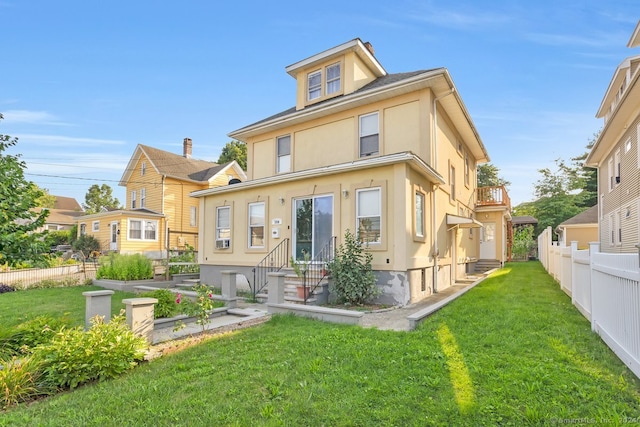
(604, 287)
(28, 276)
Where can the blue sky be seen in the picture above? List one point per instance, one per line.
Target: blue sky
(83, 82)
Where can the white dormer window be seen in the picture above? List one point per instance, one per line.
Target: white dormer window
(314, 85)
(333, 78)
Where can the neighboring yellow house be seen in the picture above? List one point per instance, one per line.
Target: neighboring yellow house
(391, 157)
(582, 228)
(63, 214)
(617, 157)
(159, 214)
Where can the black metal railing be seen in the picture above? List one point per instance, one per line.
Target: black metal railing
(275, 261)
(317, 269)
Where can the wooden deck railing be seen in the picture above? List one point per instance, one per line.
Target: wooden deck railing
(493, 196)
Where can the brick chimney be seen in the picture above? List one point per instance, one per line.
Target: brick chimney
(369, 47)
(187, 148)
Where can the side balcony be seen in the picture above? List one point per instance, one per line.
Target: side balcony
(493, 197)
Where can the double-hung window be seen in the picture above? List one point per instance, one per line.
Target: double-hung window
(143, 168)
(193, 216)
(618, 167)
(368, 215)
(333, 79)
(256, 225)
(452, 180)
(369, 135)
(419, 214)
(133, 199)
(283, 154)
(143, 197)
(95, 226)
(223, 227)
(314, 85)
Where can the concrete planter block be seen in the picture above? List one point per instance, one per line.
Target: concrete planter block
(139, 312)
(229, 290)
(98, 303)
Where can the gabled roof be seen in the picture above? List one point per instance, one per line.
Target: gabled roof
(523, 220)
(67, 203)
(634, 41)
(589, 216)
(61, 216)
(384, 87)
(176, 166)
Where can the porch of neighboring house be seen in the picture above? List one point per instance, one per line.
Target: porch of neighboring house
(493, 210)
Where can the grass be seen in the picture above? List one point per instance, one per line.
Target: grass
(512, 351)
(20, 306)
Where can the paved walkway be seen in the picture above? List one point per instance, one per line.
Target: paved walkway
(397, 318)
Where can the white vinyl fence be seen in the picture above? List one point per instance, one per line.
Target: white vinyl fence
(605, 288)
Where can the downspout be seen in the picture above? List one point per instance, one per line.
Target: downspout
(435, 188)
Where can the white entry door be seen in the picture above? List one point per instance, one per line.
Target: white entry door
(113, 241)
(488, 241)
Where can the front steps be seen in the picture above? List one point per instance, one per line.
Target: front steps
(484, 265)
(318, 296)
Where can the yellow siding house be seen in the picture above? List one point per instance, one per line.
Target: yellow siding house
(390, 157)
(158, 214)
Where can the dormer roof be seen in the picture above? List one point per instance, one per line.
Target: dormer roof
(634, 41)
(363, 50)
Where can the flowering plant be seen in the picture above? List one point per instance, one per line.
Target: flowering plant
(199, 308)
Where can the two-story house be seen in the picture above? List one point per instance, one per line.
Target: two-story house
(616, 156)
(390, 157)
(159, 215)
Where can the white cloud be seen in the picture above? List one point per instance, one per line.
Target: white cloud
(66, 141)
(32, 117)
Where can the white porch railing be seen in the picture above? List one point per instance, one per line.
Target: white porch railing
(605, 288)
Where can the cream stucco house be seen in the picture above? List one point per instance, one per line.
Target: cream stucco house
(159, 214)
(616, 156)
(391, 157)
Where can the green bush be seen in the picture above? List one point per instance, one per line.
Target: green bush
(59, 237)
(86, 244)
(74, 357)
(166, 305)
(19, 381)
(125, 267)
(26, 336)
(354, 281)
(188, 255)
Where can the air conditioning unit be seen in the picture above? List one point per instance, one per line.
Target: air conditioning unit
(223, 243)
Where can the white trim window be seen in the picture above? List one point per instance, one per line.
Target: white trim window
(612, 233)
(419, 214)
(223, 227)
(333, 79)
(95, 226)
(314, 85)
(143, 168)
(283, 155)
(83, 229)
(143, 197)
(369, 215)
(618, 167)
(193, 216)
(618, 227)
(467, 169)
(256, 225)
(143, 229)
(133, 199)
(452, 181)
(369, 141)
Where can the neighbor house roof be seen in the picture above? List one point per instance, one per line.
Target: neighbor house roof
(589, 216)
(523, 220)
(634, 41)
(176, 166)
(67, 203)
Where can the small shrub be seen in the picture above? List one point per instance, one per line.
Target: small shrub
(189, 255)
(201, 307)
(125, 267)
(19, 381)
(6, 288)
(166, 305)
(26, 336)
(352, 272)
(74, 357)
(86, 244)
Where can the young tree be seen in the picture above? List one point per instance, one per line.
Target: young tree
(19, 241)
(234, 150)
(99, 197)
(47, 200)
(488, 176)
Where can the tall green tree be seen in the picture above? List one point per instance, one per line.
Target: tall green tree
(19, 240)
(47, 200)
(489, 176)
(234, 150)
(99, 197)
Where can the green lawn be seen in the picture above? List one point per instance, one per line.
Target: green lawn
(512, 351)
(17, 307)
